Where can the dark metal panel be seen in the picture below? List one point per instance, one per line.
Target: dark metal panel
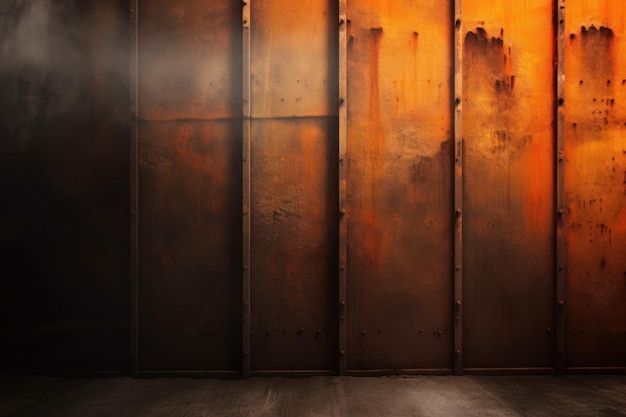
(508, 210)
(190, 230)
(343, 189)
(458, 186)
(190, 240)
(595, 175)
(399, 208)
(292, 48)
(294, 244)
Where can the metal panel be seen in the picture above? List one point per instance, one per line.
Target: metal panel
(190, 181)
(293, 47)
(294, 189)
(294, 244)
(399, 208)
(595, 174)
(508, 214)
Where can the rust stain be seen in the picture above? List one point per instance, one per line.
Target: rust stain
(376, 148)
(538, 188)
(376, 136)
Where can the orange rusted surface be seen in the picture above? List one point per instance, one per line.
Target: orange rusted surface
(294, 186)
(508, 209)
(399, 185)
(293, 244)
(189, 185)
(292, 47)
(595, 178)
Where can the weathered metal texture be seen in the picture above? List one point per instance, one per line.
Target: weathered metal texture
(508, 207)
(294, 244)
(190, 185)
(399, 204)
(293, 208)
(595, 178)
(294, 58)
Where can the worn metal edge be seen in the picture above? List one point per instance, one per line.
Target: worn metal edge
(292, 373)
(190, 374)
(399, 372)
(343, 235)
(560, 267)
(134, 186)
(510, 371)
(457, 105)
(246, 128)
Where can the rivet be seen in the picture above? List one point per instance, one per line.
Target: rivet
(561, 302)
(342, 267)
(245, 353)
(421, 330)
(342, 352)
(363, 332)
(458, 303)
(342, 303)
(549, 330)
(561, 211)
(466, 328)
(458, 351)
(458, 211)
(342, 211)
(268, 332)
(245, 303)
(439, 332)
(245, 267)
(285, 330)
(301, 329)
(319, 331)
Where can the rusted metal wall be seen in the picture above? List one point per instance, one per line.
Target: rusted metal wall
(399, 186)
(508, 207)
(595, 183)
(293, 209)
(418, 193)
(189, 111)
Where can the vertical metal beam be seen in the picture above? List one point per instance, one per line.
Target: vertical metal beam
(134, 188)
(246, 125)
(343, 121)
(458, 187)
(560, 186)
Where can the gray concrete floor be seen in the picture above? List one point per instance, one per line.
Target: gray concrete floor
(320, 396)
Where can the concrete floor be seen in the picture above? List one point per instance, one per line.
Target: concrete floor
(320, 396)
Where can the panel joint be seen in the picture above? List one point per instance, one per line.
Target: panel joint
(457, 108)
(343, 120)
(246, 126)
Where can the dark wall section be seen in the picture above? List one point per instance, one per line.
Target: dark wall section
(64, 185)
